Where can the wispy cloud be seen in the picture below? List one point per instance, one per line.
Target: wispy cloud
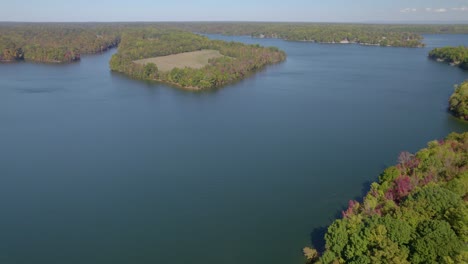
(408, 10)
(436, 10)
(463, 8)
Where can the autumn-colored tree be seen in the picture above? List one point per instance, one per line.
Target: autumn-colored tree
(416, 218)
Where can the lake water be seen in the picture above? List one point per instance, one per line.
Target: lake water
(99, 168)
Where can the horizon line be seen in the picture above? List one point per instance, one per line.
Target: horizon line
(415, 22)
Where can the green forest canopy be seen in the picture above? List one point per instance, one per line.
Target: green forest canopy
(54, 42)
(459, 101)
(416, 213)
(456, 55)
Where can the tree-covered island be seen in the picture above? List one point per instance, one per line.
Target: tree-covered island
(416, 213)
(226, 62)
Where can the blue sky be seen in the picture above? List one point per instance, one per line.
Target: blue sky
(236, 10)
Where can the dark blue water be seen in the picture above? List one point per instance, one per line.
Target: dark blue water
(99, 168)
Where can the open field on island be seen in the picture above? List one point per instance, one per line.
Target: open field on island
(195, 59)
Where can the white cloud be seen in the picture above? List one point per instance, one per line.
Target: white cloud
(436, 10)
(463, 8)
(408, 10)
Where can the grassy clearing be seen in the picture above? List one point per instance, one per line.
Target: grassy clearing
(194, 59)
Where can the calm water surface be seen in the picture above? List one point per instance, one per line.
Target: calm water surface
(99, 168)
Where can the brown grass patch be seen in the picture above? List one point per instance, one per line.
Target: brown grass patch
(195, 59)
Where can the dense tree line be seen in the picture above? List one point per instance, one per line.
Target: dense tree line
(459, 101)
(430, 29)
(455, 55)
(382, 35)
(416, 213)
(54, 42)
(248, 28)
(238, 61)
(64, 42)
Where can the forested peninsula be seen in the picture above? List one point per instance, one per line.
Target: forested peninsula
(459, 101)
(416, 213)
(457, 56)
(237, 60)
